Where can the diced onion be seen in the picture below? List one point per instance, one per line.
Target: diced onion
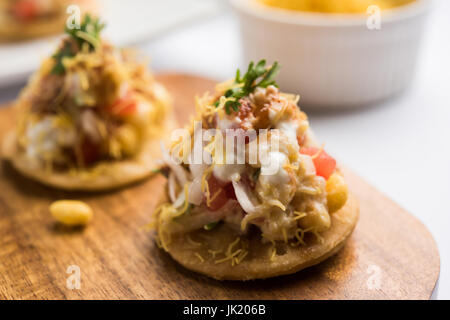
(178, 203)
(244, 197)
(308, 165)
(197, 169)
(177, 169)
(171, 184)
(195, 192)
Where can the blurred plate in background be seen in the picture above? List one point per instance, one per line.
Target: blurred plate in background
(128, 23)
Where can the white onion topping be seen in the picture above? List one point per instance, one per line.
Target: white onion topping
(171, 184)
(177, 169)
(244, 196)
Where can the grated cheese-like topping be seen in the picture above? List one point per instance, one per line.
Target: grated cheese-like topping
(199, 257)
(230, 247)
(204, 183)
(240, 257)
(234, 256)
(283, 230)
(276, 203)
(192, 242)
(214, 252)
(274, 251)
(299, 235)
(209, 200)
(299, 215)
(229, 257)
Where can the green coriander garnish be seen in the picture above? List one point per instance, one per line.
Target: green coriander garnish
(88, 33)
(249, 82)
(65, 51)
(210, 226)
(256, 174)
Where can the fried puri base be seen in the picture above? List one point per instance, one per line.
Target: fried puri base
(104, 176)
(16, 31)
(202, 251)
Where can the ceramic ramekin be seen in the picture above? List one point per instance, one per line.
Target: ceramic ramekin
(335, 61)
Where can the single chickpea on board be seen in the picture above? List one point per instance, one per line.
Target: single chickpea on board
(71, 212)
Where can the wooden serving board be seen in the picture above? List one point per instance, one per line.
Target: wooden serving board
(391, 255)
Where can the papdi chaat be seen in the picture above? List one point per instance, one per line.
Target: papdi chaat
(92, 116)
(242, 217)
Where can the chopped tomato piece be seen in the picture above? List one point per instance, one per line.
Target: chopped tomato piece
(125, 106)
(324, 163)
(301, 139)
(25, 10)
(219, 193)
(230, 191)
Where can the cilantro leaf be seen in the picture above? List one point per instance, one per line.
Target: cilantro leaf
(89, 33)
(249, 83)
(256, 174)
(65, 51)
(210, 226)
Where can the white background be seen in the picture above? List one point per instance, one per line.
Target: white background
(402, 146)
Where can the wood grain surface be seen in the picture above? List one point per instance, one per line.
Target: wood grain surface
(391, 255)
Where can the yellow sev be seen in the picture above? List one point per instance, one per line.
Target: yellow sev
(274, 252)
(314, 156)
(276, 203)
(214, 252)
(193, 242)
(234, 256)
(205, 185)
(204, 104)
(199, 257)
(167, 212)
(299, 215)
(280, 113)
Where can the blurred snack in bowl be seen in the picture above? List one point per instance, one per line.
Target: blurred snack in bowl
(333, 53)
(334, 6)
(27, 19)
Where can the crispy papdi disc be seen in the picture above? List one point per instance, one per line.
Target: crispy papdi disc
(202, 251)
(103, 176)
(18, 31)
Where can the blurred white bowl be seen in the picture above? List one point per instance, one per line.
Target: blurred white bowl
(334, 60)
